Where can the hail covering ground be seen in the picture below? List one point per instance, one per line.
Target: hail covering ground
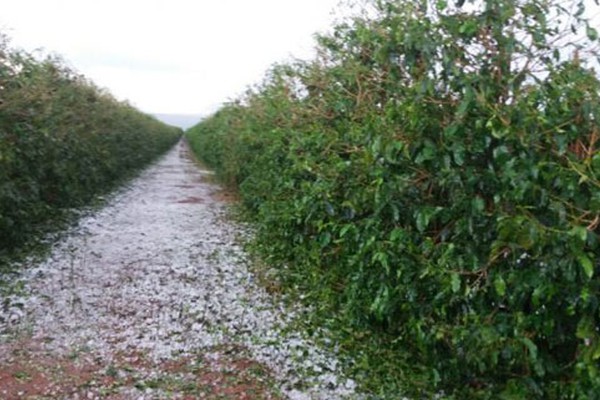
(160, 272)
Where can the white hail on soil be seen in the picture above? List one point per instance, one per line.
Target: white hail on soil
(158, 270)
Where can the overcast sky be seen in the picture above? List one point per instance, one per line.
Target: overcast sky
(175, 56)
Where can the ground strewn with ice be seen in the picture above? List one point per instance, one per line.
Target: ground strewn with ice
(151, 298)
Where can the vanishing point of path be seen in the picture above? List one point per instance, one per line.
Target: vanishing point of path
(151, 298)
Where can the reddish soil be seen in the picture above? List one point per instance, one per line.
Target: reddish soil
(224, 196)
(29, 372)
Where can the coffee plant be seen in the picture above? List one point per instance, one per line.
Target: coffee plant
(432, 180)
(62, 141)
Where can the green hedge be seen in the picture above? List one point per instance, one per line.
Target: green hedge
(62, 141)
(432, 180)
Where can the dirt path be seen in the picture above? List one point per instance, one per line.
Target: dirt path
(150, 298)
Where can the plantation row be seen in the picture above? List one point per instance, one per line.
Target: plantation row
(431, 184)
(62, 141)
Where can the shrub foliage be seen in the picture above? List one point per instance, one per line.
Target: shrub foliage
(434, 178)
(62, 141)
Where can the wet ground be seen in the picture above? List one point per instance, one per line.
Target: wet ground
(151, 298)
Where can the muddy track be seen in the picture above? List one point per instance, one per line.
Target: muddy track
(151, 298)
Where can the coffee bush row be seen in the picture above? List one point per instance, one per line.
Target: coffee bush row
(62, 142)
(432, 180)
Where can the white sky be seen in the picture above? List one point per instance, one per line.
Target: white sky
(176, 56)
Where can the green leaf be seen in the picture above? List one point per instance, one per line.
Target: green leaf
(596, 351)
(329, 209)
(459, 155)
(524, 239)
(428, 152)
(500, 285)
(531, 347)
(469, 28)
(423, 217)
(579, 232)
(499, 133)
(592, 33)
(587, 265)
(382, 258)
(478, 204)
(397, 233)
(556, 55)
(596, 162)
(422, 221)
(455, 281)
(463, 107)
(585, 329)
(345, 230)
(451, 131)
